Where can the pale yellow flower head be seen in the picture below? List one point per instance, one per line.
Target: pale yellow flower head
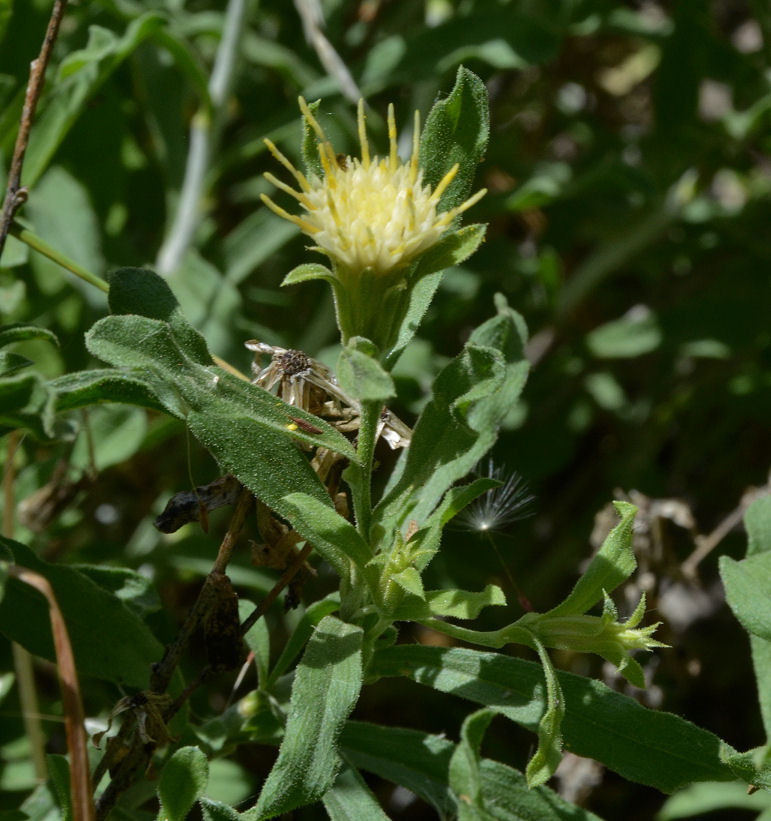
(368, 213)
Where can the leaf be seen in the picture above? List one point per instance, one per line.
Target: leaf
(257, 639)
(83, 388)
(141, 291)
(742, 596)
(332, 535)
(456, 131)
(452, 249)
(421, 763)
(305, 627)
(183, 779)
(350, 799)
(11, 362)
(414, 760)
(699, 799)
(627, 337)
(362, 376)
(471, 396)
(27, 402)
(547, 757)
(310, 153)
(409, 580)
(61, 210)
(135, 590)
(59, 773)
(465, 777)
(109, 641)
(325, 690)
(655, 748)
(746, 587)
(757, 521)
(307, 272)
(248, 430)
(20, 332)
(613, 564)
(457, 604)
(217, 811)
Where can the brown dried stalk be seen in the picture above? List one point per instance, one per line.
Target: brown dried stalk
(15, 194)
(80, 781)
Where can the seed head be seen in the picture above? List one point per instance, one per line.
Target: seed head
(500, 506)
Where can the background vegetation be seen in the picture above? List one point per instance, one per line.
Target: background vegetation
(629, 190)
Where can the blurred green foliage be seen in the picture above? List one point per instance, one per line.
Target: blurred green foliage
(629, 189)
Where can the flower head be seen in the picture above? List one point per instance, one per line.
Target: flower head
(370, 212)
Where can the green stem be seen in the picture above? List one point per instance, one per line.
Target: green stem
(511, 634)
(205, 130)
(362, 492)
(37, 244)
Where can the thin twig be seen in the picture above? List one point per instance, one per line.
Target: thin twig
(706, 544)
(15, 195)
(287, 576)
(164, 670)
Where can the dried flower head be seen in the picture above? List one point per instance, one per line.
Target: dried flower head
(306, 383)
(370, 213)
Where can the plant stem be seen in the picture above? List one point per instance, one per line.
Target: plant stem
(36, 243)
(15, 194)
(362, 488)
(204, 135)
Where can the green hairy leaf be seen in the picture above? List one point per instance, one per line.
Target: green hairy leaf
(470, 397)
(747, 595)
(183, 779)
(659, 749)
(456, 131)
(611, 566)
(324, 692)
(421, 763)
(350, 799)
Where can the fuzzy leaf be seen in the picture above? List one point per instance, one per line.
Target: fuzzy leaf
(612, 565)
(307, 272)
(465, 775)
(421, 763)
(334, 537)
(650, 747)
(350, 799)
(456, 131)
(459, 425)
(362, 376)
(451, 250)
(19, 332)
(183, 779)
(324, 692)
(456, 604)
